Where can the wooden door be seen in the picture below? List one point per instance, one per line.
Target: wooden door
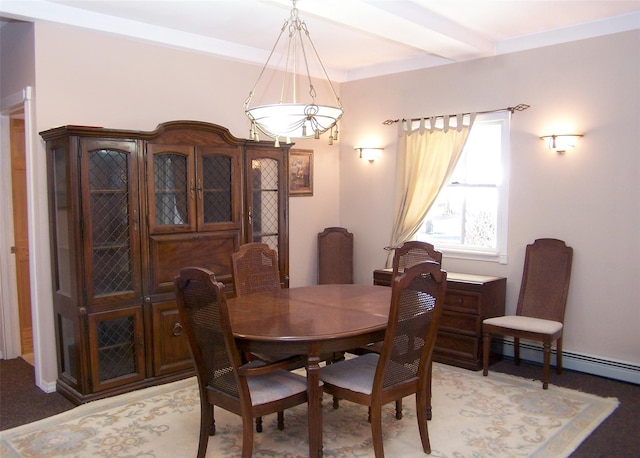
(21, 240)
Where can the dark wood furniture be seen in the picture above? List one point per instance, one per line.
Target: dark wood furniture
(310, 321)
(541, 304)
(469, 300)
(249, 390)
(128, 209)
(403, 366)
(335, 256)
(255, 269)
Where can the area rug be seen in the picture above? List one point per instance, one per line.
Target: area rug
(473, 416)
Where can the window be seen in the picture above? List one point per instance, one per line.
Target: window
(469, 217)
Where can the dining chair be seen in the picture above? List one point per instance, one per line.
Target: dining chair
(250, 390)
(404, 256)
(403, 366)
(255, 269)
(335, 256)
(411, 252)
(541, 304)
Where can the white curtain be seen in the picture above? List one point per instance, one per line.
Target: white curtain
(426, 159)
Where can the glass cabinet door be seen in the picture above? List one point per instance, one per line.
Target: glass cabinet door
(171, 188)
(267, 199)
(110, 222)
(219, 188)
(116, 347)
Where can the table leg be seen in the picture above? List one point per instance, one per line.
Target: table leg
(314, 393)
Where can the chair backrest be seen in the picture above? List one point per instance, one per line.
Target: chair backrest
(204, 315)
(255, 269)
(545, 280)
(412, 252)
(335, 256)
(416, 306)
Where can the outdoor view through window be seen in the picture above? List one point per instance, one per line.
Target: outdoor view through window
(469, 214)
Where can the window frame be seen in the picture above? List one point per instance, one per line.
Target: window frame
(499, 254)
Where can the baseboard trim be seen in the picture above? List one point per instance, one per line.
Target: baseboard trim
(617, 370)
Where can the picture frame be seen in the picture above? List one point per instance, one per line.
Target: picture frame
(300, 172)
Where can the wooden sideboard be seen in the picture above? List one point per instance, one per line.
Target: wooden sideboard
(469, 300)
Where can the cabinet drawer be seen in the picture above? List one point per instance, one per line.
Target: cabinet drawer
(460, 323)
(456, 346)
(462, 301)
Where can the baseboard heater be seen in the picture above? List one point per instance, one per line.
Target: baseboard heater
(617, 370)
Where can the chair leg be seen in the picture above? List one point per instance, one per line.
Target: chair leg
(399, 409)
(559, 356)
(430, 378)
(516, 351)
(212, 423)
(336, 402)
(281, 420)
(258, 424)
(375, 416)
(421, 411)
(247, 437)
(546, 350)
(486, 347)
(206, 426)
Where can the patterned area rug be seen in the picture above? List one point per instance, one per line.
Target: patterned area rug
(473, 416)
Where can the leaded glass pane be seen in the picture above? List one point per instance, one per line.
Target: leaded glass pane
(116, 347)
(217, 189)
(171, 189)
(265, 214)
(60, 195)
(109, 188)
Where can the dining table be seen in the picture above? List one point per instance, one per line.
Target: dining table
(310, 321)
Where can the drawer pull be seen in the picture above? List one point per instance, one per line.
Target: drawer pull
(177, 330)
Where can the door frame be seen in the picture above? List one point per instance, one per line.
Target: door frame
(44, 353)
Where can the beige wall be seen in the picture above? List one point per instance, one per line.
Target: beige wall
(589, 197)
(98, 79)
(16, 63)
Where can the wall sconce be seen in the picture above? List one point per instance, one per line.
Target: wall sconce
(370, 154)
(561, 143)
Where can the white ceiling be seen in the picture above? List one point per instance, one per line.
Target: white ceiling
(354, 38)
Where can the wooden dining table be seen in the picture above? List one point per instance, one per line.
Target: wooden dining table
(310, 321)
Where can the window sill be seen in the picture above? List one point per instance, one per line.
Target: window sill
(487, 256)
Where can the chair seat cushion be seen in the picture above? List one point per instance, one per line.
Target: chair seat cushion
(355, 374)
(525, 323)
(275, 385)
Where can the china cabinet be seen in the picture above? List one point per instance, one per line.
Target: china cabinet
(128, 209)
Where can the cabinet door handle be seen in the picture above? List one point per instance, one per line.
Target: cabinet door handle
(177, 330)
(200, 188)
(193, 189)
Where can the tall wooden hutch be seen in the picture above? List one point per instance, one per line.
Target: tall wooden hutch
(128, 209)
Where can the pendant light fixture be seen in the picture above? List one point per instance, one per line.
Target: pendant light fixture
(295, 114)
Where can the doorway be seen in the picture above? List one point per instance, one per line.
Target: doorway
(20, 248)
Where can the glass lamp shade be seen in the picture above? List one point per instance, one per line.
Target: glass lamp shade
(298, 120)
(561, 143)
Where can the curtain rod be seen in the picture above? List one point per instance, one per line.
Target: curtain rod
(519, 107)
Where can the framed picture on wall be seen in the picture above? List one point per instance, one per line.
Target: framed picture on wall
(301, 172)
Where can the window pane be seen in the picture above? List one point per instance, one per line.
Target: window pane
(469, 215)
(482, 155)
(464, 216)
